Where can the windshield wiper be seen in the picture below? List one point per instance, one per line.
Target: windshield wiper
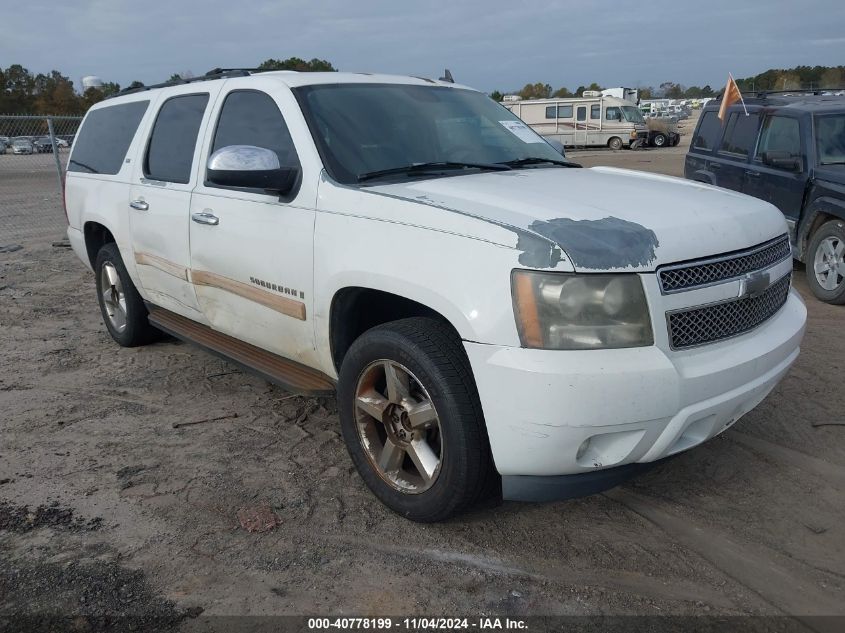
(835, 162)
(84, 166)
(536, 160)
(428, 167)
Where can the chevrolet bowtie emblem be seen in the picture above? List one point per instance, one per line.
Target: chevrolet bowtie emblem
(753, 284)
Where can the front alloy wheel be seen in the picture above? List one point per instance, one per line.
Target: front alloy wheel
(412, 420)
(398, 426)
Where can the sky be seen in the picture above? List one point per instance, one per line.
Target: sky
(487, 44)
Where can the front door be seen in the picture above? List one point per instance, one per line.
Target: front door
(252, 252)
(784, 188)
(159, 200)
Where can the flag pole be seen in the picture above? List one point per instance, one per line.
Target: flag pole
(739, 92)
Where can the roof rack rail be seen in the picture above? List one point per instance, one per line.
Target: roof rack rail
(214, 73)
(763, 94)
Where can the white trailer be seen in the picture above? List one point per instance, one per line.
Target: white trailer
(583, 122)
(629, 94)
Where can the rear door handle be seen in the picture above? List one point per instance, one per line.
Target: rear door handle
(752, 174)
(205, 217)
(139, 204)
(714, 165)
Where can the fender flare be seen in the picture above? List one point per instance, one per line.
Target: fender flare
(823, 205)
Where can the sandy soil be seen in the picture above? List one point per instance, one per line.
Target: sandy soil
(108, 508)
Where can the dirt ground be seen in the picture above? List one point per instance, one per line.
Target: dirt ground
(111, 505)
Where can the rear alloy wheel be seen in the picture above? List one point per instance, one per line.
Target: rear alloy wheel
(826, 262)
(615, 143)
(659, 140)
(123, 309)
(412, 421)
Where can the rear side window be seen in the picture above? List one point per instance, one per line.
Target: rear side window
(563, 112)
(708, 131)
(582, 114)
(740, 133)
(171, 149)
(252, 118)
(103, 141)
(780, 134)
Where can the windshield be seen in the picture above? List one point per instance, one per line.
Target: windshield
(365, 128)
(830, 139)
(632, 114)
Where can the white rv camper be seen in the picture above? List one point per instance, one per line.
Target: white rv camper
(582, 122)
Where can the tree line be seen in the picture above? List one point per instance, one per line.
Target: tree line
(24, 92)
(798, 78)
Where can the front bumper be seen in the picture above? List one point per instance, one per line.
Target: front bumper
(552, 413)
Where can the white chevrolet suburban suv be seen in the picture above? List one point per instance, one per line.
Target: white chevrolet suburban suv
(494, 319)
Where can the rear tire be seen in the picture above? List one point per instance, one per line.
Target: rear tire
(825, 262)
(122, 308)
(615, 143)
(390, 374)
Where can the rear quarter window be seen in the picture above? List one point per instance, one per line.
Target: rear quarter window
(102, 143)
(707, 134)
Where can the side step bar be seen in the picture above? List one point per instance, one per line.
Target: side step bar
(281, 371)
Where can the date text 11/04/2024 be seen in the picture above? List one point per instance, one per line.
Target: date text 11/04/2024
(417, 624)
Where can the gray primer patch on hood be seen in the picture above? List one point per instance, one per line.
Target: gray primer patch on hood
(537, 252)
(600, 244)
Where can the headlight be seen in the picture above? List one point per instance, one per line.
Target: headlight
(567, 311)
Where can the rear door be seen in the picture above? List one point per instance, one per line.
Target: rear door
(784, 188)
(731, 159)
(160, 197)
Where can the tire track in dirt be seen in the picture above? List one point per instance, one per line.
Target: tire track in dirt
(781, 581)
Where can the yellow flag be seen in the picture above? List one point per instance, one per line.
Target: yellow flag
(729, 96)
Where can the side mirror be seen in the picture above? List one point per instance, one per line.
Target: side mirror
(781, 160)
(252, 168)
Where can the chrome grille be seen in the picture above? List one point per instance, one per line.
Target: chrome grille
(707, 324)
(704, 272)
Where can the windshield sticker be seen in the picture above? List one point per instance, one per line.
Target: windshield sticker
(522, 131)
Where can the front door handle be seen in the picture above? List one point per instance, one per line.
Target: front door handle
(752, 174)
(139, 204)
(205, 217)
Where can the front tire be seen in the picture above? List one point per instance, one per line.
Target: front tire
(412, 421)
(825, 262)
(659, 140)
(123, 309)
(615, 143)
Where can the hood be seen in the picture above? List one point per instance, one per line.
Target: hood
(604, 218)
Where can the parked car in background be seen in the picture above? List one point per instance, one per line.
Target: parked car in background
(43, 145)
(494, 319)
(22, 146)
(790, 151)
(2, 147)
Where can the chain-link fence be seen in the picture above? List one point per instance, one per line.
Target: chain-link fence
(33, 156)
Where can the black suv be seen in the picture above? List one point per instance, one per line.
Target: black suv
(788, 150)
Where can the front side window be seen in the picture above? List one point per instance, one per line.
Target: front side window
(740, 133)
(780, 134)
(364, 128)
(613, 113)
(595, 111)
(708, 131)
(170, 153)
(249, 117)
(830, 139)
(103, 141)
